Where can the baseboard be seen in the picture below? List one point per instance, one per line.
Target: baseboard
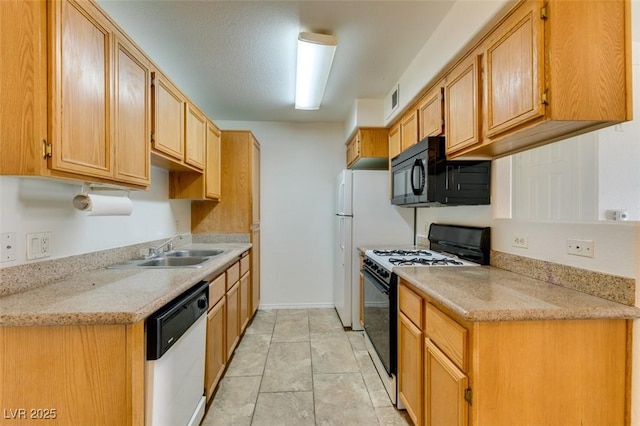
(264, 306)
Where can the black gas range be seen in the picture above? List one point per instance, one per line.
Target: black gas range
(450, 246)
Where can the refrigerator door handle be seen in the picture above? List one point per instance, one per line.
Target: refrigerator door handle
(341, 200)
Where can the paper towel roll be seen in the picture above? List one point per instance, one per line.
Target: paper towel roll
(103, 205)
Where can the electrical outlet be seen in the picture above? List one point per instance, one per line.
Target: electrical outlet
(38, 245)
(580, 247)
(520, 241)
(8, 247)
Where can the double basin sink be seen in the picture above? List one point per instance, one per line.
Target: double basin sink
(188, 258)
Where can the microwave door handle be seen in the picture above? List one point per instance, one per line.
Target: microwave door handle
(420, 166)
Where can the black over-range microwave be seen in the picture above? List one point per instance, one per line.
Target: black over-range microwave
(422, 177)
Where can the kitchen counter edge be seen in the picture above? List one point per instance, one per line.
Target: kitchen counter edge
(486, 293)
(111, 296)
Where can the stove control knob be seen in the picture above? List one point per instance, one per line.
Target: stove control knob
(385, 274)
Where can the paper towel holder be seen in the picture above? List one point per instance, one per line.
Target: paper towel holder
(88, 187)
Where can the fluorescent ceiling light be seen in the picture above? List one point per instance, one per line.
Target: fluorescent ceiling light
(315, 55)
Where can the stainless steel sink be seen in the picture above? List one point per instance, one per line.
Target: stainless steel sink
(186, 258)
(173, 261)
(194, 253)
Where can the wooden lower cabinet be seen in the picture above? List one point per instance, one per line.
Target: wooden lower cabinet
(233, 318)
(410, 367)
(73, 375)
(453, 372)
(245, 301)
(228, 316)
(216, 356)
(444, 389)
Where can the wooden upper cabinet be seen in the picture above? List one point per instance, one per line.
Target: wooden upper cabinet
(238, 210)
(168, 117)
(462, 105)
(76, 104)
(431, 113)
(368, 149)
(23, 105)
(409, 129)
(554, 69)
(195, 136)
(80, 89)
(395, 142)
(515, 70)
(212, 167)
(132, 114)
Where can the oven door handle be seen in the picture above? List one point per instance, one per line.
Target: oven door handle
(382, 288)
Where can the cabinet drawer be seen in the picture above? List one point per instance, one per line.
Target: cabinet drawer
(447, 334)
(233, 275)
(244, 264)
(411, 305)
(217, 289)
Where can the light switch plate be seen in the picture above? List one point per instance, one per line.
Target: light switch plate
(38, 245)
(8, 247)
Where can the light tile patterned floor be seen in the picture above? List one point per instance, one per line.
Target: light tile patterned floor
(299, 367)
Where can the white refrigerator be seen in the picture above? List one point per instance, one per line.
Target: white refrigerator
(364, 217)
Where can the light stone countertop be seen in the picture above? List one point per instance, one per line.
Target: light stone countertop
(111, 296)
(485, 293)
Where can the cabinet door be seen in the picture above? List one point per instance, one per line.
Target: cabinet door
(255, 268)
(80, 89)
(515, 70)
(216, 355)
(444, 390)
(431, 113)
(167, 117)
(245, 300)
(409, 129)
(255, 182)
(233, 318)
(212, 167)
(410, 367)
(462, 105)
(395, 147)
(23, 109)
(353, 150)
(196, 136)
(132, 114)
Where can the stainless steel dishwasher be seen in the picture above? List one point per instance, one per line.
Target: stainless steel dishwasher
(176, 338)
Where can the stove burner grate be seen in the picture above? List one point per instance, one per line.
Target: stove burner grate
(400, 252)
(422, 261)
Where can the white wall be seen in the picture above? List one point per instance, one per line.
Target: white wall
(463, 21)
(40, 205)
(299, 163)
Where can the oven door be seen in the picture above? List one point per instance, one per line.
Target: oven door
(380, 318)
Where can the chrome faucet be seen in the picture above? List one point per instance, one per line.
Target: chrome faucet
(167, 245)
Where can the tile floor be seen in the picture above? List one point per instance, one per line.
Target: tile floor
(299, 367)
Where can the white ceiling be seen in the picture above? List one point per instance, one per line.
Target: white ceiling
(236, 59)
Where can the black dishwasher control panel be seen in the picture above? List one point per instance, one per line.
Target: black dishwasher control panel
(165, 326)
